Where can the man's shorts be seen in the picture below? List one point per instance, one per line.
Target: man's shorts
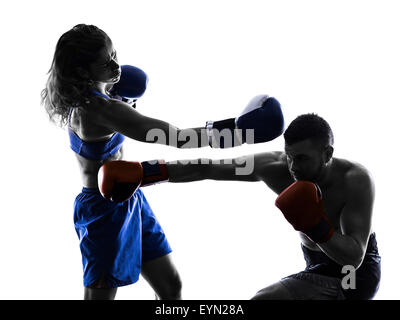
(116, 238)
(312, 286)
(322, 277)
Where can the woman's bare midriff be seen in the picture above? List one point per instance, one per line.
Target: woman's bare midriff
(88, 131)
(90, 168)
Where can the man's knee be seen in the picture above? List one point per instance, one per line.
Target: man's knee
(276, 291)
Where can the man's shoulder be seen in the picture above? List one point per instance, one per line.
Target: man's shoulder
(355, 174)
(271, 167)
(270, 157)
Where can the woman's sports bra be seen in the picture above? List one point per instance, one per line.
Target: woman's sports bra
(98, 150)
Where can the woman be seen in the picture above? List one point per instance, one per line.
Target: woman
(117, 240)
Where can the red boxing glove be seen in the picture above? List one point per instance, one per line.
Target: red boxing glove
(302, 205)
(119, 180)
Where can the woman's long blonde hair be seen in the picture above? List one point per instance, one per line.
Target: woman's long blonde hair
(68, 85)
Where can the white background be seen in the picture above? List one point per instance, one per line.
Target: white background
(205, 60)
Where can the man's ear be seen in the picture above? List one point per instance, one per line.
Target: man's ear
(328, 153)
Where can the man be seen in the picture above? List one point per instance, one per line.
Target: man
(329, 200)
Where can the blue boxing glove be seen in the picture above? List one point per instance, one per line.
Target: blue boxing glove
(261, 121)
(131, 85)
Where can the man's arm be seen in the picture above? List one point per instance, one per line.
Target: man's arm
(348, 246)
(252, 167)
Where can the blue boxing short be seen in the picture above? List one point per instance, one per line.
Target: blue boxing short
(116, 238)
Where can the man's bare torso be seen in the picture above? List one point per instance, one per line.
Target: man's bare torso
(334, 188)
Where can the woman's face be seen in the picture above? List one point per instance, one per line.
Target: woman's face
(106, 68)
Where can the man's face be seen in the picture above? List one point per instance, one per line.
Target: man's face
(306, 160)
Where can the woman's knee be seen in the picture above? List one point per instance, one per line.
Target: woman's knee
(172, 288)
(163, 277)
(99, 290)
(100, 293)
